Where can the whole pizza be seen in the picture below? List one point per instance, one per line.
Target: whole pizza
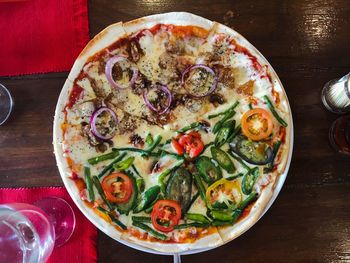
(172, 132)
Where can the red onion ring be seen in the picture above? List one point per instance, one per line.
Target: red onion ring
(93, 119)
(165, 89)
(206, 68)
(108, 71)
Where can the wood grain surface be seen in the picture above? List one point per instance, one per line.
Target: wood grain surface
(307, 43)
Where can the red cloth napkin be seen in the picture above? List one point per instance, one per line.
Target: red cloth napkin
(81, 247)
(39, 36)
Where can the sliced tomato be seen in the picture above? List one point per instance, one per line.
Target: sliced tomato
(165, 215)
(117, 187)
(257, 124)
(177, 147)
(194, 134)
(191, 143)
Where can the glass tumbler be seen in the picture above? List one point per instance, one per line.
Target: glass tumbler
(6, 104)
(336, 95)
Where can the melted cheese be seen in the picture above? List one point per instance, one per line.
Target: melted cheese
(153, 47)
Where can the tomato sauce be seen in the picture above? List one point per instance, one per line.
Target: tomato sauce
(178, 31)
(245, 51)
(258, 67)
(79, 183)
(276, 96)
(74, 95)
(246, 212)
(187, 236)
(118, 44)
(186, 31)
(70, 164)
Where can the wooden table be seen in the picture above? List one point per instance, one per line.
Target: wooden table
(308, 43)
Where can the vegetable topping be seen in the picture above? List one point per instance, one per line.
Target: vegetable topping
(257, 124)
(103, 123)
(208, 170)
(224, 194)
(199, 80)
(189, 143)
(223, 159)
(158, 99)
(258, 153)
(109, 73)
(179, 188)
(165, 215)
(117, 187)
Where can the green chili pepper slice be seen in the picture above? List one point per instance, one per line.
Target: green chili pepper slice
(221, 122)
(223, 159)
(249, 180)
(224, 133)
(109, 167)
(234, 177)
(207, 169)
(197, 217)
(222, 216)
(154, 144)
(149, 139)
(147, 198)
(124, 165)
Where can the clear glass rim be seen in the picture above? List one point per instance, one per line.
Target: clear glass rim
(70, 209)
(347, 85)
(346, 80)
(11, 103)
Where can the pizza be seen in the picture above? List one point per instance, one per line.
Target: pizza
(172, 132)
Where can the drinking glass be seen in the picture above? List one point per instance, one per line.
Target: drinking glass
(339, 135)
(6, 104)
(336, 95)
(28, 233)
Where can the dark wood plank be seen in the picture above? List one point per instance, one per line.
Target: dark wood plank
(308, 43)
(26, 155)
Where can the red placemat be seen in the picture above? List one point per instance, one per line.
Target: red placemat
(39, 36)
(81, 247)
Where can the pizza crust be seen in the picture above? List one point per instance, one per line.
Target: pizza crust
(175, 18)
(106, 38)
(207, 242)
(102, 40)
